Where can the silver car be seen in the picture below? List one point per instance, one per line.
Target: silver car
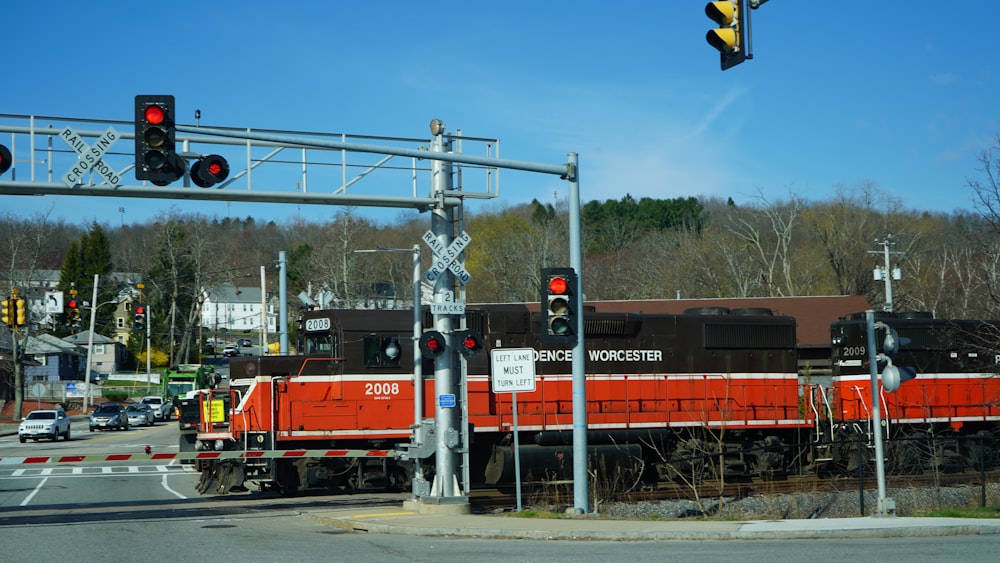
(140, 415)
(159, 405)
(108, 416)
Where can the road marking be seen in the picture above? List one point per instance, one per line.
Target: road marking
(34, 492)
(163, 483)
(36, 472)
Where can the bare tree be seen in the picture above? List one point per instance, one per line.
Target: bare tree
(986, 192)
(768, 232)
(25, 241)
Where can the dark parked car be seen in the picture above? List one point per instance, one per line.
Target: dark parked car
(245, 342)
(108, 416)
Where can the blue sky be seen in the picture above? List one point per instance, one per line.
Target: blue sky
(838, 94)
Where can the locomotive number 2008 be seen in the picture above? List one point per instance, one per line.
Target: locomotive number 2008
(381, 389)
(313, 325)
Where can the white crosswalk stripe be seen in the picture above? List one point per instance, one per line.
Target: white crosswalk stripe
(33, 472)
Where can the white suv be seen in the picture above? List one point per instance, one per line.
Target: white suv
(50, 423)
(161, 408)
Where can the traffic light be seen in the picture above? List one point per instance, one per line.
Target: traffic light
(6, 160)
(209, 170)
(7, 312)
(139, 319)
(22, 313)
(470, 342)
(432, 344)
(559, 306)
(892, 375)
(730, 38)
(156, 159)
(73, 310)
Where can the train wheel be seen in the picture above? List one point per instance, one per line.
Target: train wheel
(287, 478)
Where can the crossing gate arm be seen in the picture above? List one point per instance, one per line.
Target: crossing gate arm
(251, 454)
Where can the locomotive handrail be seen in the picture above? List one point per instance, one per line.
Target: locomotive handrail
(885, 410)
(307, 360)
(868, 412)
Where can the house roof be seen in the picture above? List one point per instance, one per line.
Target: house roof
(813, 315)
(48, 344)
(83, 338)
(231, 293)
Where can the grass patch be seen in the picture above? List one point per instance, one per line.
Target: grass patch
(977, 512)
(543, 514)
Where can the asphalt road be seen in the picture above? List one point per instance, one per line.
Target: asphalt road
(122, 511)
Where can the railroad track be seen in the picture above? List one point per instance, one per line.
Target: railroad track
(561, 492)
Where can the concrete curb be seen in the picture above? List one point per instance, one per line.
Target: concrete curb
(498, 527)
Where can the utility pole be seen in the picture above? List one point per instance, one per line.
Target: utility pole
(885, 272)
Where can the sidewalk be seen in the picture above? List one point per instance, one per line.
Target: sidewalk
(403, 522)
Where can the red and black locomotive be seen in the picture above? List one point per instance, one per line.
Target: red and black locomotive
(707, 392)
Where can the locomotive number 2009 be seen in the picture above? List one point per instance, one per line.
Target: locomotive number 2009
(381, 389)
(854, 351)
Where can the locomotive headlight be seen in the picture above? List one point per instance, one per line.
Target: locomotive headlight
(392, 349)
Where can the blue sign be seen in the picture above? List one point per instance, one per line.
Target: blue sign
(74, 389)
(446, 401)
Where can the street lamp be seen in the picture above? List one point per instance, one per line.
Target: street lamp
(90, 344)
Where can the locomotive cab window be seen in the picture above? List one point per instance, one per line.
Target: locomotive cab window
(382, 351)
(321, 343)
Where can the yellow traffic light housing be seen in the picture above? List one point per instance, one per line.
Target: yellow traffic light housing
(22, 313)
(7, 313)
(730, 38)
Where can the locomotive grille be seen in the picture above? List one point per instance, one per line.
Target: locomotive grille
(749, 336)
(618, 325)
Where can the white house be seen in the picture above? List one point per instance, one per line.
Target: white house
(230, 308)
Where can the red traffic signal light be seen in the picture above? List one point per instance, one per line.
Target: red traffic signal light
(432, 344)
(209, 170)
(72, 304)
(139, 319)
(156, 158)
(154, 114)
(470, 342)
(559, 306)
(6, 160)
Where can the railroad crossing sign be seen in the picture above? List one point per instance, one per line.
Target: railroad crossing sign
(90, 157)
(445, 258)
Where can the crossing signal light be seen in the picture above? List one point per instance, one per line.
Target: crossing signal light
(730, 38)
(6, 160)
(209, 170)
(888, 346)
(139, 319)
(432, 344)
(470, 342)
(7, 312)
(559, 306)
(156, 158)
